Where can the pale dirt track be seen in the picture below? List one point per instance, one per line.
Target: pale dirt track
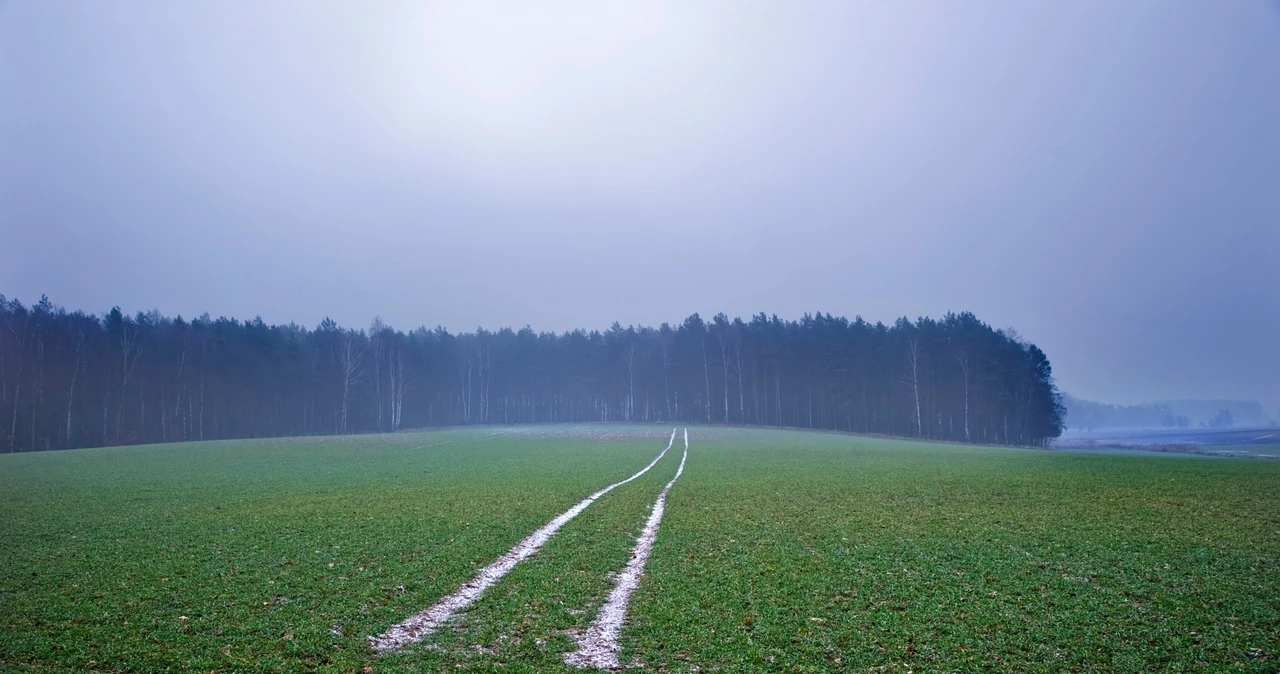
(421, 624)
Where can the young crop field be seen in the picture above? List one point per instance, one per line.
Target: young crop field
(773, 551)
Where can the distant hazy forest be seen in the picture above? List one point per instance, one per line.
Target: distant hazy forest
(71, 379)
(1089, 415)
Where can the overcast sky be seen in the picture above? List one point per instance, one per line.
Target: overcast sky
(1103, 176)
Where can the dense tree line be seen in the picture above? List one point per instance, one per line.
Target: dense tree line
(70, 379)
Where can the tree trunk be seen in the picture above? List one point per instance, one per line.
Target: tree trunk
(706, 373)
(71, 391)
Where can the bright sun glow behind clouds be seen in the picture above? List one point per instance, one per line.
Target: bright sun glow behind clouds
(508, 87)
(501, 53)
(629, 96)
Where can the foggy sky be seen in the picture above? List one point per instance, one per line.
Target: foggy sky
(1103, 176)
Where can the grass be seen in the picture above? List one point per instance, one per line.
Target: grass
(825, 552)
(780, 551)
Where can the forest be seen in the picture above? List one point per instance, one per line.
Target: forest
(1087, 415)
(74, 379)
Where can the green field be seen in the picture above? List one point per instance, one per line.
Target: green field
(779, 551)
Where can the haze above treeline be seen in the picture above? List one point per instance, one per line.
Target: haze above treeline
(1100, 175)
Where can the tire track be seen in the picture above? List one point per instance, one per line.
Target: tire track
(425, 622)
(598, 646)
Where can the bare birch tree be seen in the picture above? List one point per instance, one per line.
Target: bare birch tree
(75, 372)
(962, 357)
(629, 357)
(19, 328)
(735, 349)
(466, 365)
(351, 367)
(721, 323)
(399, 368)
(130, 352)
(913, 373)
(376, 348)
